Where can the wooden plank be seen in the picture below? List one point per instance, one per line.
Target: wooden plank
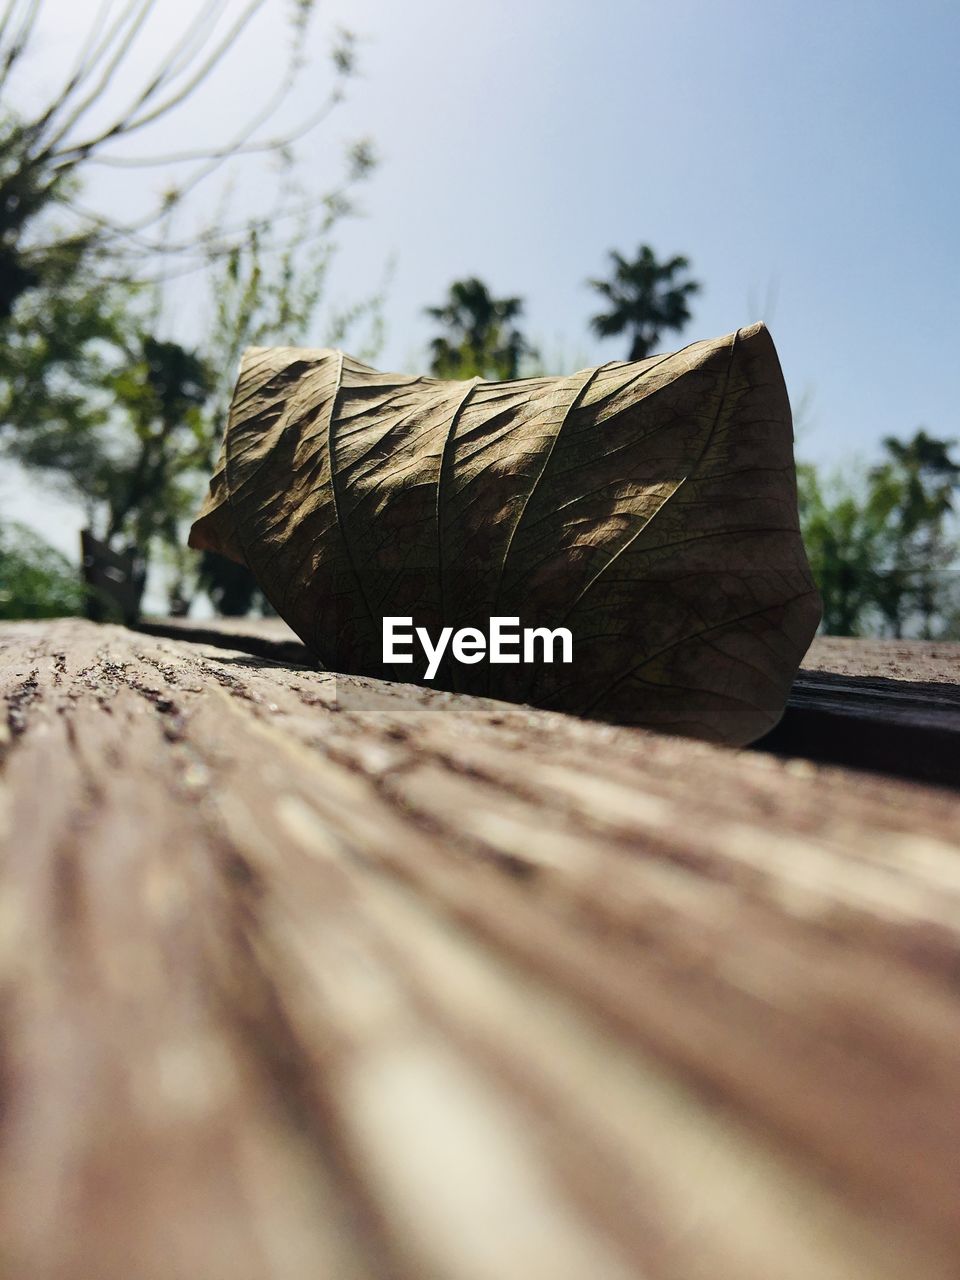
(907, 728)
(889, 706)
(913, 661)
(304, 975)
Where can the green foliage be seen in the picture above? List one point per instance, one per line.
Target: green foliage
(482, 338)
(93, 395)
(925, 477)
(36, 581)
(61, 323)
(117, 441)
(60, 328)
(30, 189)
(882, 545)
(646, 299)
(847, 537)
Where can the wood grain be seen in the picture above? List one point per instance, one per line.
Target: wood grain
(910, 661)
(307, 976)
(889, 706)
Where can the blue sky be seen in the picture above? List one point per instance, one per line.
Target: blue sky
(803, 155)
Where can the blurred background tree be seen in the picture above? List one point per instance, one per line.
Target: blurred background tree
(46, 153)
(847, 536)
(882, 541)
(482, 338)
(36, 581)
(94, 396)
(646, 299)
(925, 545)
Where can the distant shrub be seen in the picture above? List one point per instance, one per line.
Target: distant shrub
(36, 580)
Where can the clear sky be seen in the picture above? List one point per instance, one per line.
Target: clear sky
(803, 154)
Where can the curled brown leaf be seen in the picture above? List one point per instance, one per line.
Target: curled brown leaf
(648, 507)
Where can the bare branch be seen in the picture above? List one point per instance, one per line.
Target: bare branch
(145, 250)
(183, 52)
(219, 252)
(216, 162)
(18, 44)
(195, 36)
(128, 122)
(206, 241)
(87, 58)
(260, 146)
(22, 38)
(5, 20)
(133, 14)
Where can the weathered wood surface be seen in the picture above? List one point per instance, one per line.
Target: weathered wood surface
(888, 705)
(911, 661)
(263, 637)
(305, 976)
(891, 706)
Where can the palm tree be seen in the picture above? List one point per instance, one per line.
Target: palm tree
(483, 339)
(645, 299)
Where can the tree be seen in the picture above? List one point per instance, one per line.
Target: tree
(140, 433)
(846, 531)
(880, 546)
(925, 478)
(62, 263)
(138, 458)
(43, 152)
(93, 394)
(645, 298)
(482, 338)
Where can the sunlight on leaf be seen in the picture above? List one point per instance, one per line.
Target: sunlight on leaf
(649, 507)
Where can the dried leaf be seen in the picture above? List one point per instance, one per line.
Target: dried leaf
(649, 507)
